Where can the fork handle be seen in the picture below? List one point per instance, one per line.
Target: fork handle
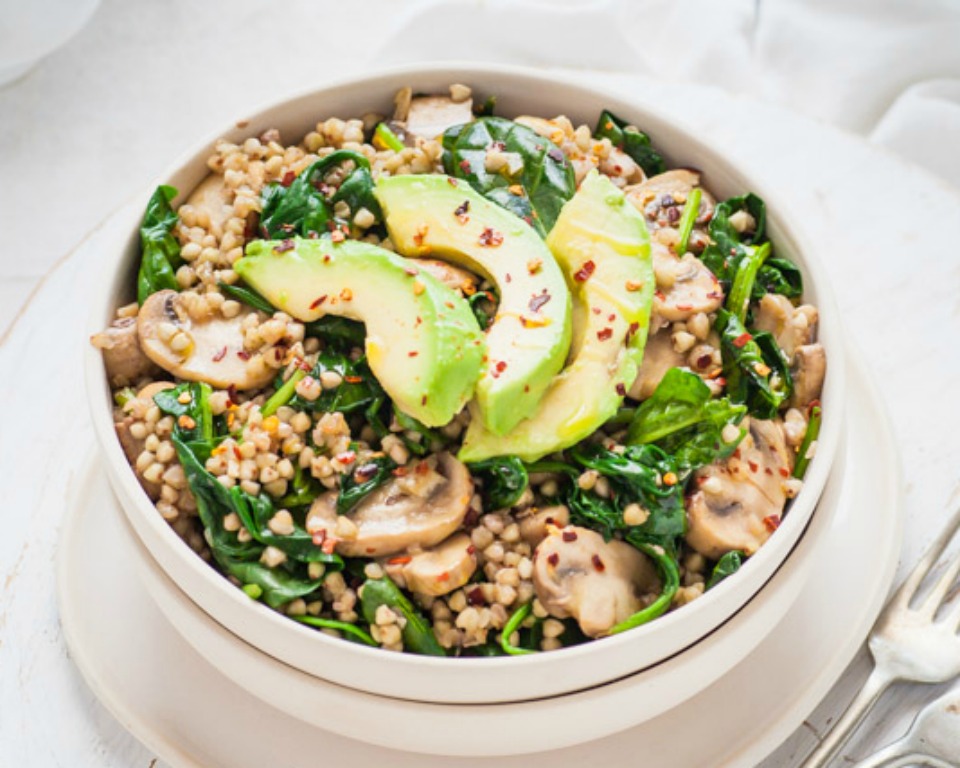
(837, 736)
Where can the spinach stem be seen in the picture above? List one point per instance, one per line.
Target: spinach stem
(746, 276)
(670, 575)
(283, 395)
(513, 623)
(813, 432)
(340, 626)
(690, 212)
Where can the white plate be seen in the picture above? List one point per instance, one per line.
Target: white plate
(191, 715)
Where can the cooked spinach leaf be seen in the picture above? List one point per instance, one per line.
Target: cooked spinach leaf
(417, 633)
(247, 295)
(159, 248)
(504, 480)
(363, 481)
(631, 140)
(813, 432)
(338, 332)
(534, 184)
(530, 644)
(357, 391)
(726, 566)
(754, 367)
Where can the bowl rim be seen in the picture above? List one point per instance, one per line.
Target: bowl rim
(814, 276)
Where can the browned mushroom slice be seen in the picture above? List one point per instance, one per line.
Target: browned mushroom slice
(684, 286)
(212, 202)
(661, 198)
(438, 570)
(739, 501)
(429, 116)
(132, 446)
(451, 276)
(400, 515)
(122, 356)
(210, 351)
(659, 356)
(791, 326)
(599, 583)
(534, 527)
(809, 370)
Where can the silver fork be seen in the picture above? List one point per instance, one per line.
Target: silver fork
(907, 643)
(933, 738)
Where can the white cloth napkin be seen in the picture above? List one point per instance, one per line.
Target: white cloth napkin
(886, 69)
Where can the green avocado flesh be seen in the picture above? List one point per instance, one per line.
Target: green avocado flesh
(601, 242)
(423, 343)
(528, 341)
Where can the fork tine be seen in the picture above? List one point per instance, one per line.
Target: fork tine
(909, 587)
(951, 617)
(940, 589)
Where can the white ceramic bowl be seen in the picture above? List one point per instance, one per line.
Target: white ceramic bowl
(469, 680)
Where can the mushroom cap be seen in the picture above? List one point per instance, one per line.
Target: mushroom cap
(535, 526)
(394, 519)
(599, 583)
(430, 116)
(215, 354)
(659, 356)
(439, 570)
(739, 501)
(213, 198)
(122, 357)
(809, 371)
(792, 327)
(684, 286)
(655, 196)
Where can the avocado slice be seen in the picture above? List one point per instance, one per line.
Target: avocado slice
(527, 342)
(422, 341)
(601, 242)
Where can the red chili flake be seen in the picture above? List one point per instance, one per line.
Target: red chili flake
(634, 327)
(423, 401)
(420, 234)
(753, 466)
(243, 354)
(232, 394)
(236, 454)
(684, 307)
(499, 368)
(583, 274)
(621, 389)
(399, 560)
(553, 558)
(220, 355)
(288, 178)
(319, 537)
(445, 576)
(598, 563)
(328, 546)
(596, 310)
(475, 597)
(703, 361)
(353, 379)
(736, 453)
(337, 236)
(526, 388)
(318, 301)
(412, 353)
(285, 245)
(811, 405)
(538, 300)
(465, 166)
(418, 322)
(772, 522)
(399, 472)
(347, 457)
(611, 317)
(784, 472)
(327, 258)
(604, 334)
(471, 550)
(714, 295)
(550, 521)
(490, 237)
(449, 305)
(658, 294)
(508, 277)
(451, 181)
(742, 340)
(461, 212)
(768, 470)
(569, 536)
(670, 478)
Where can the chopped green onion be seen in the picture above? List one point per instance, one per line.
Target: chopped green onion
(388, 138)
(513, 623)
(813, 432)
(123, 396)
(283, 395)
(253, 591)
(690, 212)
(739, 298)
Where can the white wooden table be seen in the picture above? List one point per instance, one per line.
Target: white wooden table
(885, 228)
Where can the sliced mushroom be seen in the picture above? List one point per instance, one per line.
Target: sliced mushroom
(210, 351)
(213, 199)
(739, 501)
(684, 286)
(451, 276)
(791, 326)
(599, 583)
(659, 356)
(809, 370)
(661, 198)
(429, 116)
(436, 571)
(395, 517)
(534, 527)
(122, 356)
(132, 446)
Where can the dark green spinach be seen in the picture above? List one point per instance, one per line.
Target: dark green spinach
(727, 565)
(159, 248)
(535, 191)
(754, 367)
(630, 140)
(417, 633)
(363, 481)
(504, 480)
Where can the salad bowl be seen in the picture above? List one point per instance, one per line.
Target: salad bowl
(505, 678)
